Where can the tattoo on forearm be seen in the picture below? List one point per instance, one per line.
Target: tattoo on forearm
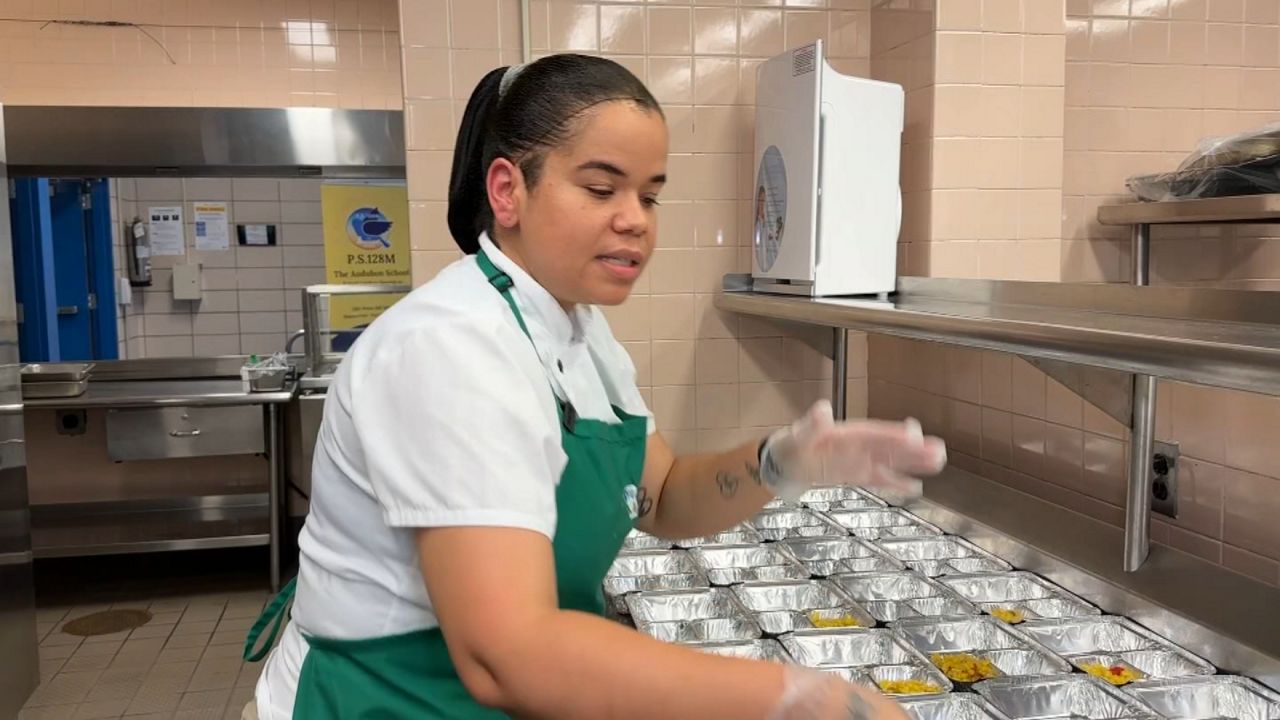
(644, 503)
(857, 707)
(753, 472)
(728, 484)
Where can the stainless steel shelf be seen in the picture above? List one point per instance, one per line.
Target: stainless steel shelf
(1223, 338)
(1239, 209)
(113, 528)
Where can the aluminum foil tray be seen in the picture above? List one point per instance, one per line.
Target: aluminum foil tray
(883, 523)
(1027, 596)
(742, 534)
(945, 555)
(829, 556)
(1115, 641)
(874, 657)
(839, 497)
(925, 678)
(849, 648)
(782, 607)
(795, 596)
(1221, 697)
(857, 676)
(733, 564)
(683, 605)
(957, 706)
(713, 630)
(894, 596)
(783, 524)
(1073, 696)
(641, 540)
(966, 644)
(647, 570)
(768, 650)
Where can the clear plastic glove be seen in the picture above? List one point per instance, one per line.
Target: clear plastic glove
(813, 695)
(818, 451)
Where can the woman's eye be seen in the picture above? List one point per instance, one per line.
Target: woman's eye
(650, 201)
(600, 192)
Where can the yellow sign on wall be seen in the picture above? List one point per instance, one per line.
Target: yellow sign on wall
(366, 242)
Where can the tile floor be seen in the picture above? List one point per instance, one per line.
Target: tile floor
(184, 663)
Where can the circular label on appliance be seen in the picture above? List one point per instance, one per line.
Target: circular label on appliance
(770, 207)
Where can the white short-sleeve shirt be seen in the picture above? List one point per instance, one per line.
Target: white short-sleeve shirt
(442, 414)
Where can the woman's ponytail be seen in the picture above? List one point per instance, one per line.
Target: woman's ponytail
(469, 209)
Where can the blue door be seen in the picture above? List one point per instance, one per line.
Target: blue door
(65, 275)
(71, 269)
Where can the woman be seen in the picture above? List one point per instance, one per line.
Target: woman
(484, 451)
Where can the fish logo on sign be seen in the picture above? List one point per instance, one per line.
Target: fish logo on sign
(368, 228)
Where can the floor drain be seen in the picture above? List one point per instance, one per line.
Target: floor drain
(106, 622)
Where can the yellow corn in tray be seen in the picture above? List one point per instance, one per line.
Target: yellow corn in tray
(965, 667)
(908, 687)
(836, 621)
(1009, 615)
(1114, 674)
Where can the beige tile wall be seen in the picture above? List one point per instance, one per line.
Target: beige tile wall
(982, 159)
(259, 53)
(1147, 81)
(712, 379)
(902, 51)
(1138, 82)
(252, 295)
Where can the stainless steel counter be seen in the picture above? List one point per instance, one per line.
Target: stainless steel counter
(196, 392)
(1214, 612)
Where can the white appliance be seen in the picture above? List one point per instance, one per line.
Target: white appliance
(827, 204)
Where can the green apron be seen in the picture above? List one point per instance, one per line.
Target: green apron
(411, 675)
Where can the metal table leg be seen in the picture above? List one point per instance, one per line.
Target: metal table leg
(1137, 510)
(840, 372)
(1137, 513)
(1141, 254)
(275, 492)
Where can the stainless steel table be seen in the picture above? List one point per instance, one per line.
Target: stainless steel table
(163, 391)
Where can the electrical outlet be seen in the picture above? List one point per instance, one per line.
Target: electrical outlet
(1164, 478)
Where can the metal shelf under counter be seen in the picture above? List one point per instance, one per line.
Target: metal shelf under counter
(110, 528)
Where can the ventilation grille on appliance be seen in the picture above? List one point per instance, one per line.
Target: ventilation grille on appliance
(803, 61)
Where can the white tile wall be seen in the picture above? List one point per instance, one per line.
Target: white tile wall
(251, 294)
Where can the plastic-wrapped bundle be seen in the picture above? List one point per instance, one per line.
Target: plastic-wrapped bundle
(1243, 164)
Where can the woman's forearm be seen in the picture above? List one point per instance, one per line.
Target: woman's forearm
(709, 492)
(575, 666)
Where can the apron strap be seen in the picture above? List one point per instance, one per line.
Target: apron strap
(273, 615)
(503, 283)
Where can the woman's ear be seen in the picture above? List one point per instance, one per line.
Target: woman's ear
(505, 184)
